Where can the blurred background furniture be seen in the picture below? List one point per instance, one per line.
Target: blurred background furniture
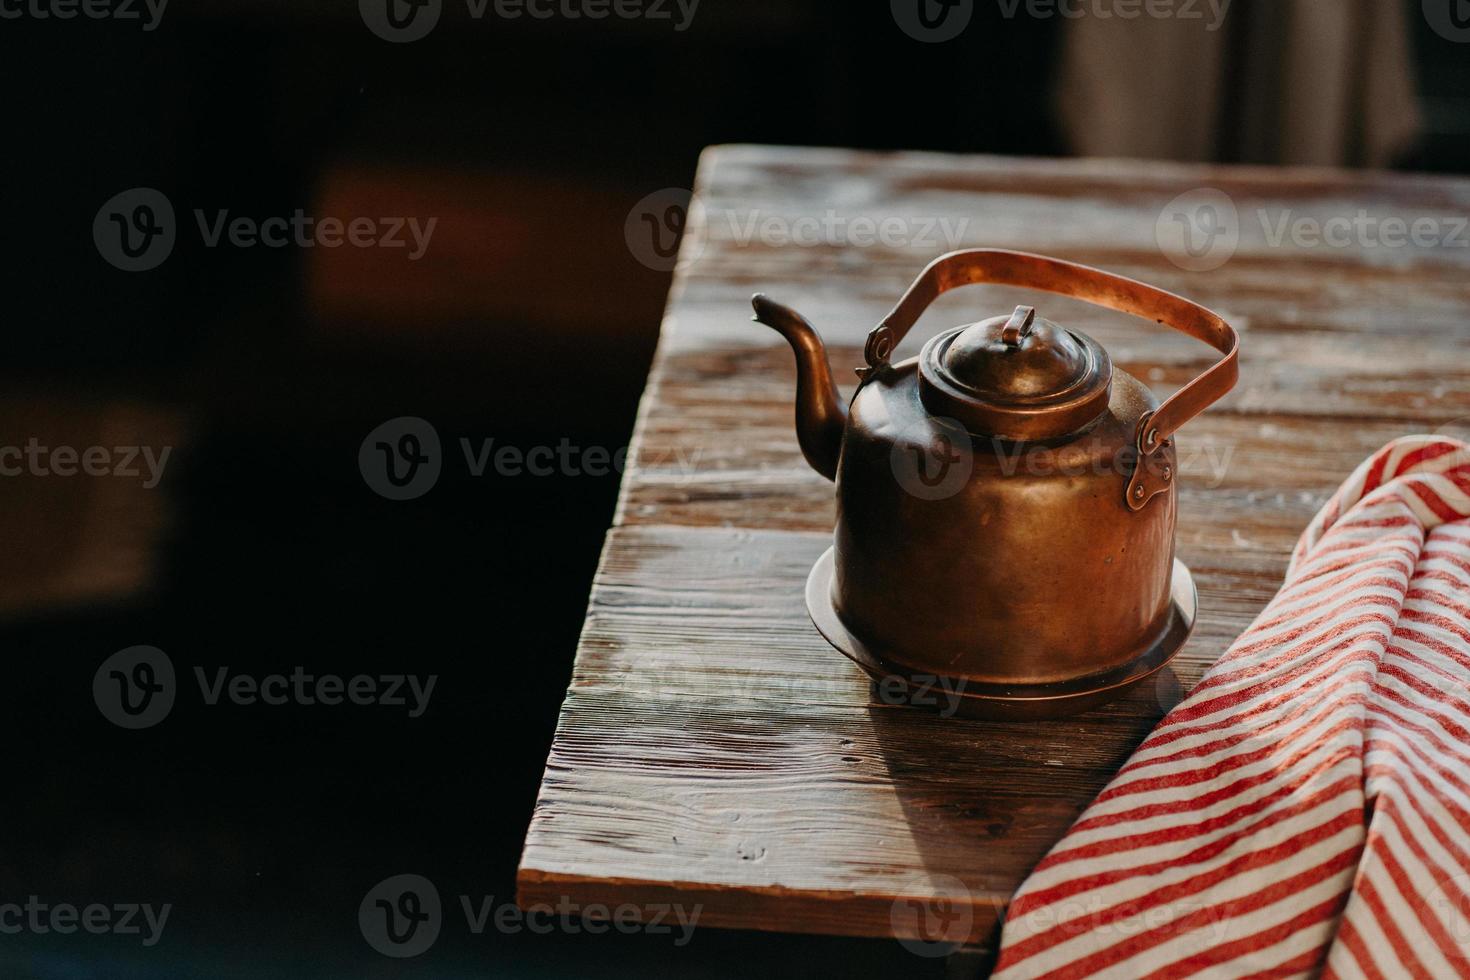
(1318, 82)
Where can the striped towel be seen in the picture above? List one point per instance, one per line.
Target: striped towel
(1307, 807)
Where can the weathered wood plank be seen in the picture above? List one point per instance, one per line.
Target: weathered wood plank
(712, 738)
(718, 613)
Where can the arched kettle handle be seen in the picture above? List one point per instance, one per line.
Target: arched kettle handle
(1004, 267)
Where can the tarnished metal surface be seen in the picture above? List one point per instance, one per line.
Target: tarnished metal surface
(996, 520)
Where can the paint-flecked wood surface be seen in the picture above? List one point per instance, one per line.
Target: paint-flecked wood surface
(714, 750)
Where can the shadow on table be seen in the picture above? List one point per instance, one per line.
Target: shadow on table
(985, 801)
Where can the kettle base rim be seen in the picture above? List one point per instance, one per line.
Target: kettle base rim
(1004, 702)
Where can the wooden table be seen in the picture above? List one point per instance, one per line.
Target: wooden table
(714, 750)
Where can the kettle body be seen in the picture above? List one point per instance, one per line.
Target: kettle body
(964, 556)
(1005, 515)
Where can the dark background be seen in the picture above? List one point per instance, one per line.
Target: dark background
(528, 321)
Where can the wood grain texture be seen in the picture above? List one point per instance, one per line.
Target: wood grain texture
(713, 750)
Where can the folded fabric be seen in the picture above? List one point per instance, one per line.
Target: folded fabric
(1307, 807)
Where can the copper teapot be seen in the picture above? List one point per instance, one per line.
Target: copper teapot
(1005, 506)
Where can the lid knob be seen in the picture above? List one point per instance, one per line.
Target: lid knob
(1018, 327)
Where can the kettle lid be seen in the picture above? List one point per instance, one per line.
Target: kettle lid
(1021, 378)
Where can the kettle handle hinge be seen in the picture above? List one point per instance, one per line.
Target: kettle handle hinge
(1153, 474)
(879, 346)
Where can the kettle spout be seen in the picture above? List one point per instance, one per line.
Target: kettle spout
(820, 415)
